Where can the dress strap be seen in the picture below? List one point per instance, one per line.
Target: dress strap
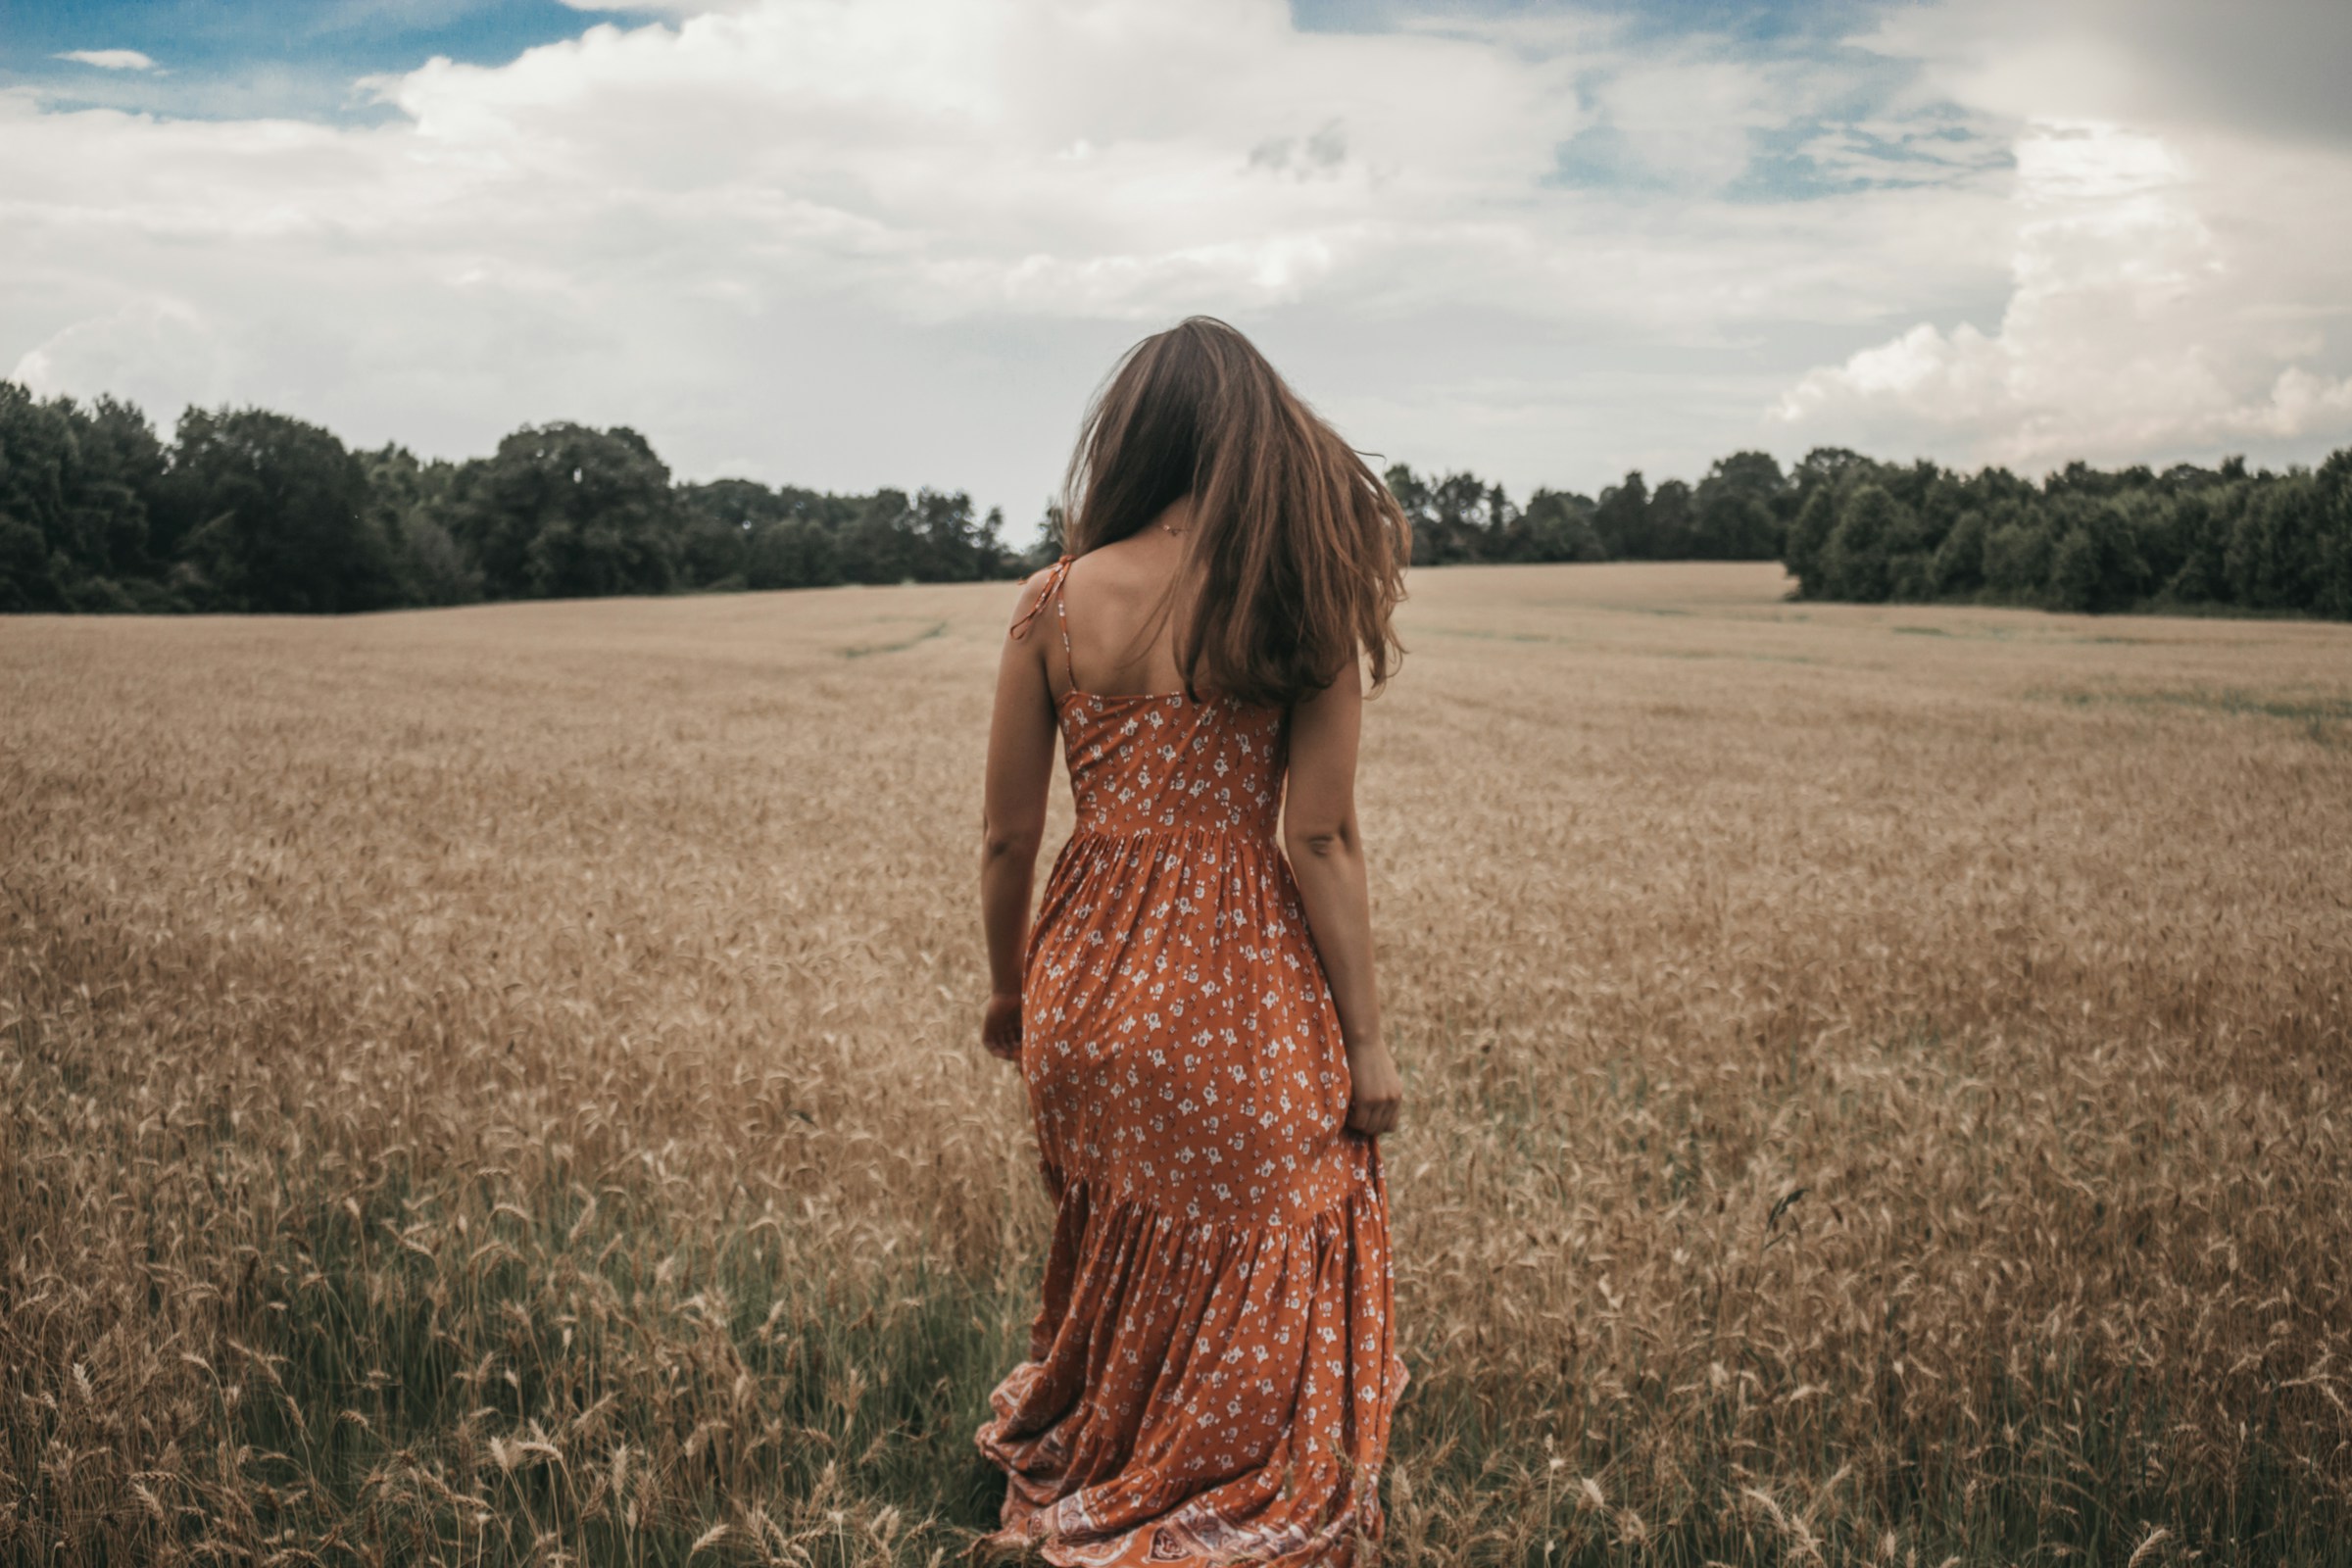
(1061, 612)
(1059, 574)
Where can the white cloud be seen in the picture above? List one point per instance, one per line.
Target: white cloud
(899, 240)
(2270, 67)
(152, 349)
(2163, 304)
(109, 59)
(1690, 120)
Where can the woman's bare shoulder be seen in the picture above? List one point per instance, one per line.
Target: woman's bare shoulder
(1029, 590)
(1029, 601)
(1124, 571)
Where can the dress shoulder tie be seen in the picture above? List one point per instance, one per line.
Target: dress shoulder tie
(1021, 627)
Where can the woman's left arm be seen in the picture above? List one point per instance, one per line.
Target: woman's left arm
(1325, 852)
(1020, 770)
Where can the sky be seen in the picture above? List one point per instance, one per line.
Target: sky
(849, 243)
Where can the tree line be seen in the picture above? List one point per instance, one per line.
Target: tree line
(1851, 527)
(249, 509)
(1738, 512)
(2083, 539)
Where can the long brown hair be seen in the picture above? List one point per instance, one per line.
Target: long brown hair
(1297, 550)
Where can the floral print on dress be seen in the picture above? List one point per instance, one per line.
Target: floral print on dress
(1211, 1373)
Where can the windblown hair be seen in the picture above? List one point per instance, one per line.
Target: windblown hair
(1297, 549)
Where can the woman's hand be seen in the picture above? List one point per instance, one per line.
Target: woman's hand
(1377, 1089)
(1001, 1025)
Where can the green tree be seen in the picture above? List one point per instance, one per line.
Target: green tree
(1854, 561)
(1462, 510)
(2112, 576)
(1559, 527)
(36, 452)
(1456, 517)
(720, 519)
(26, 581)
(880, 546)
(1622, 519)
(1909, 543)
(78, 480)
(1835, 468)
(2016, 560)
(1732, 508)
(2275, 558)
(1670, 526)
(955, 546)
(567, 511)
(1959, 561)
(2075, 581)
(2331, 555)
(792, 553)
(410, 501)
(1808, 539)
(1412, 493)
(271, 513)
(2201, 525)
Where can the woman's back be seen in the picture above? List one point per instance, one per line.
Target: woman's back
(1143, 754)
(1118, 606)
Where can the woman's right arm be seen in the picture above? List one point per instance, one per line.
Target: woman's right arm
(1020, 772)
(1327, 860)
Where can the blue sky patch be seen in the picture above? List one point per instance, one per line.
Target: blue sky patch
(299, 57)
(235, 58)
(1815, 157)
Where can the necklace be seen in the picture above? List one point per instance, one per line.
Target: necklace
(1178, 532)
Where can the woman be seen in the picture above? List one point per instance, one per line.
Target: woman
(1212, 1370)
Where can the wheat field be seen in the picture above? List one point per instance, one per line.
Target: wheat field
(501, 1085)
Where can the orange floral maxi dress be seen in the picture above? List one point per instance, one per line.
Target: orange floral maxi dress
(1211, 1373)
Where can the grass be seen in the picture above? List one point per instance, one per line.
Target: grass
(2320, 720)
(937, 628)
(498, 1085)
(2301, 710)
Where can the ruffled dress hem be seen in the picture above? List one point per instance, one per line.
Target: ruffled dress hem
(1139, 1432)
